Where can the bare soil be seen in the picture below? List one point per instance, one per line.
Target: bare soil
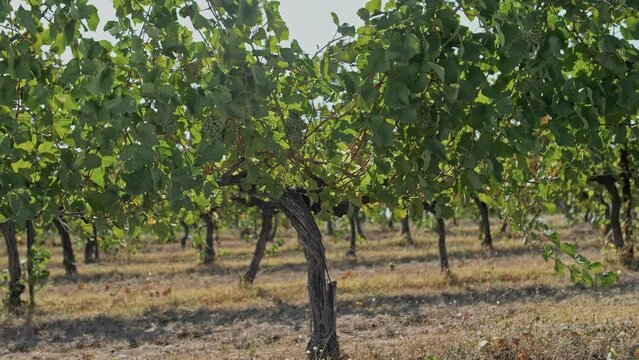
(160, 303)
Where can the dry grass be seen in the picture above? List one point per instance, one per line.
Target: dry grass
(158, 302)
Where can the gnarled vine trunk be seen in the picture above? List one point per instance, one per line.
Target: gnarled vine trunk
(30, 243)
(504, 226)
(352, 251)
(626, 191)
(405, 232)
(487, 240)
(440, 229)
(358, 223)
(443, 254)
(274, 228)
(322, 292)
(267, 233)
(15, 284)
(186, 234)
(609, 182)
(602, 200)
(68, 260)
(209, 251)
(91, 251)
(329, 227)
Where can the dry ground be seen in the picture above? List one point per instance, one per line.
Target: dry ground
(159, 303)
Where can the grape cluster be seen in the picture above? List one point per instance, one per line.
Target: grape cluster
(424, 115)
(536, 35)
(294, 128)
(213, 128)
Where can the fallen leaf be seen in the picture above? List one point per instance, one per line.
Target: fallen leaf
(544, 120)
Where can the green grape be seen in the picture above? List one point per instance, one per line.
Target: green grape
(536, 35)
(294, 128)
(424, 116)
(213, 128)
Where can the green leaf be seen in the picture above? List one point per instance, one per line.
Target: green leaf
(136, 156)
(586, 278)
(46, 147)
(373, 5)
(632, 26)
(157, 90)
(97, 176)
(370, 94)
(91, 161)
(596, 266)
(20, 165)
(184, 179)
(377, 60)
(71, 72)
(145, 134)
(607, 278)
(568, 249)
(335, 18)
(121, 105)
(27, 146)
(207, 152)
(90, 13)
(248, 12)
(138, 182)
(504, 105)
(403, 46)
(472, 178)
(396, 94)
(363, 14)
(382, 132)
(7, 90)
(26, 19)
(102, 201)
(102, 83)
(438, 69)
(628, 94)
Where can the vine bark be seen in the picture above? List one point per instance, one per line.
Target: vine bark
(68, 260)
(323, 343)
(15, 275)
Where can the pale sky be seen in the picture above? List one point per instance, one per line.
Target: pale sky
(309, 21)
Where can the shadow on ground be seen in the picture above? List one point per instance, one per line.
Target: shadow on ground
(163, 327)
(298, 265)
